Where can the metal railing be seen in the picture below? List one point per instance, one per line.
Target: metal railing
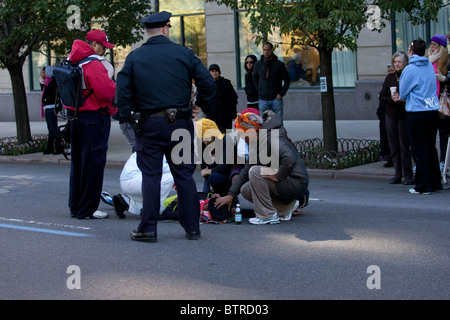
(351, 153)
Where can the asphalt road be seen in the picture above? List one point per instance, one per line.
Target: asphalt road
(356, 240)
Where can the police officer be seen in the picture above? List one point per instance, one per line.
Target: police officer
(156, 83)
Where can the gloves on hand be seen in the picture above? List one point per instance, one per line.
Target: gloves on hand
(440, 77)
(434, 56)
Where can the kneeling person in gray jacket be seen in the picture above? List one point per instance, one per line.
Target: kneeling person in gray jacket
(273, 189)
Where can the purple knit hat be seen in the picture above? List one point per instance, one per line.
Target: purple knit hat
(440, 39)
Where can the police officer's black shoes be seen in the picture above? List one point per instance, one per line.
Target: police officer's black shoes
(143, 236)
(193, 235)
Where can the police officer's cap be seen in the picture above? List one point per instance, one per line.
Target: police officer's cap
(157, 20)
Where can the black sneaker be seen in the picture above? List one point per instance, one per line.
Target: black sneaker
(120, 205)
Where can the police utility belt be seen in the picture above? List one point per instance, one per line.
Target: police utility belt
(170, 115)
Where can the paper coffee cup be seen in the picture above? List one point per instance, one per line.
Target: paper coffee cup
(393, 89)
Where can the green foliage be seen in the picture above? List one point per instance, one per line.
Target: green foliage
(327, 24)
(26, 25)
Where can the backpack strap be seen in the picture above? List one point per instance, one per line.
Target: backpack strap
(80, 64)
(87, 60)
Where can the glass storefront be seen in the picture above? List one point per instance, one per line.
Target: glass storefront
(188, 24)
(303, 63)
(188, 29)
(405, 32)
(177, 7)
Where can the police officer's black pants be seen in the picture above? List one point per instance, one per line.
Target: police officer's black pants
(151, 146)
(89, 144)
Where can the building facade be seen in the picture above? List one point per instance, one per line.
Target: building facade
(222, 36)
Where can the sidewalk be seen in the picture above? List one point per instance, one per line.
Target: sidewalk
(119, 151)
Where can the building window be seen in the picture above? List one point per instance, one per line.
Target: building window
(37, 61)
(405, 32)
(303, 63)
(188, 24)
(40, 59)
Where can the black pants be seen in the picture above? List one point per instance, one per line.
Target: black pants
(384, 141)
(151, 146)
(89, 144)
(422, 128)
(397, 132)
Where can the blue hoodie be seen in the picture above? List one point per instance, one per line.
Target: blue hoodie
(418, 85)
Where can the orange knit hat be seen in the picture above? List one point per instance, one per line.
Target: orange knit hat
(248, 121)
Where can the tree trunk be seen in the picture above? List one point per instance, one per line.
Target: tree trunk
(20, 103)
(328, 107)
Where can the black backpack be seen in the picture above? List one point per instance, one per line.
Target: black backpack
(70, 83)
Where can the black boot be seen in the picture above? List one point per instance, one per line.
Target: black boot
(58, 147)
(50, 147)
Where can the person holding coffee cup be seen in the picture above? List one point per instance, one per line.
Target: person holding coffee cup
(396, 127)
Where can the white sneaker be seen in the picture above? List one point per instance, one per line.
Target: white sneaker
(273, 220)
(99, 215)
(289, 216)
(413, 191)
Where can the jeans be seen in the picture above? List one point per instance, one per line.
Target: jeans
(275, 105)
(52, 122)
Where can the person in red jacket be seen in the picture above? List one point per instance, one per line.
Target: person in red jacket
(90, 131)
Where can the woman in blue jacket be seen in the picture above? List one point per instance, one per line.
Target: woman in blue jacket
(418, 88)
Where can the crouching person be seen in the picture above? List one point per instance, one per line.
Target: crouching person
(274, 187)
(131, 186)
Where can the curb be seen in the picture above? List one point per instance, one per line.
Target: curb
(314, 173)
(15, 159)
(63, 162)
(330, 174)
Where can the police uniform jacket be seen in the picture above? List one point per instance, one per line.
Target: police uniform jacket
(159, 64)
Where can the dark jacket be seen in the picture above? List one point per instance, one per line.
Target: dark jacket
(292, 173)
(225, 167)
(275, 81)
(222, 108)
(394, 110)
(49, 93)
(158, 75)
(250, 86)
